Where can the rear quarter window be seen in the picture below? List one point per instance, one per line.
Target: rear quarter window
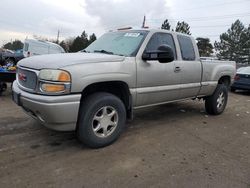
(187, 48)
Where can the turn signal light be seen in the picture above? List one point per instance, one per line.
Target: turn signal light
(52, 87)
(64, 77)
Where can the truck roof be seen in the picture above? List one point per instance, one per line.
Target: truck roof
(153, 30)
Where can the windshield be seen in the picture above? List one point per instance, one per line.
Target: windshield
(124, 43)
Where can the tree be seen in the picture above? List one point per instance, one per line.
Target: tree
(166, 25)
(64, 45)
(15, 45)
(92, 38)
(183, 27)
(204, 46)
(79, 43)
(234, 44)
(246, 45)
(67, 43)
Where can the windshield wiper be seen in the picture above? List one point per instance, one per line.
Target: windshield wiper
(103, 51)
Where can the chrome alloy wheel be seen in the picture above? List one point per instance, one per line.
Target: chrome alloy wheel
(220, 100)
(105, 121)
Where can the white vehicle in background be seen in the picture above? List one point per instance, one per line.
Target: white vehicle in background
(38, 47)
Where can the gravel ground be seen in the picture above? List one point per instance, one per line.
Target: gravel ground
(173, 145)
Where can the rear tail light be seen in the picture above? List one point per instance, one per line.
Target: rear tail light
(237, 77)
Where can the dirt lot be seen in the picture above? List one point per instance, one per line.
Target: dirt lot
(174, 145)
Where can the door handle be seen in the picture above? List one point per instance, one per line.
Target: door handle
(177, 69)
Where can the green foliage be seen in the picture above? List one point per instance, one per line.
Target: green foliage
(204, 46)
(92, 38)
(64, 45)
(234, 44)
(78, 43)
(15, 45)
(183, 27)
(166, 25)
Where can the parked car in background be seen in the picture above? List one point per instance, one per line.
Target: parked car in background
(3, 54)
(242, 79)
(38, 47)
(31, 47)
(11, 59)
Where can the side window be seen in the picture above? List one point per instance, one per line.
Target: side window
(161, 38)
(187, 48)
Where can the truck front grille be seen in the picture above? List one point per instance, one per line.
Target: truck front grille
(27, 78)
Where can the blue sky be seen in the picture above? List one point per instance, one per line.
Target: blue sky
(21, 19)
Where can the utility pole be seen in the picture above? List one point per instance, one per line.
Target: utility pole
(57, 39)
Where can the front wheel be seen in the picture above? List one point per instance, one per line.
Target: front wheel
(101, 120)
(216, 103)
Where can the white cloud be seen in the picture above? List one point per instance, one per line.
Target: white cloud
(7, 36)
(119, 13)
(54, 24)
(73, 6)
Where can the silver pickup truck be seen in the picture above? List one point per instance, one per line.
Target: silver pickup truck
(94, 91)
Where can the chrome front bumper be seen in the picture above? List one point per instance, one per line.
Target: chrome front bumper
(55, 112)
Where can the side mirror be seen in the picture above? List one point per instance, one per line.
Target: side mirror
(164, 54)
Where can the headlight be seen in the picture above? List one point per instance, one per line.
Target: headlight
(54, 81)
(54, 75)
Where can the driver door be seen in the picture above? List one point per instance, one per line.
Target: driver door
(157, 82)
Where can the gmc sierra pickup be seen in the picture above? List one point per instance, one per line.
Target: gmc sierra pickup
(94, 91)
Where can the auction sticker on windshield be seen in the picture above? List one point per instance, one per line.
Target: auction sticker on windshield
(132, 35)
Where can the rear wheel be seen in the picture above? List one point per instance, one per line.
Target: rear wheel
(216, 103)
(101, 120)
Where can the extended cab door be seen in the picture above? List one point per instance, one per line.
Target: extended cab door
(188, 67)
(156, 82)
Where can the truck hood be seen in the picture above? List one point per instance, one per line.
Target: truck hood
(55, 61)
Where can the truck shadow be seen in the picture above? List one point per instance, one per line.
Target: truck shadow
(242, 92)
(145, 119)
(168, 113)
(37, 137)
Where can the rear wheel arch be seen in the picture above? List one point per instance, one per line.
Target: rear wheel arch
(225, 80)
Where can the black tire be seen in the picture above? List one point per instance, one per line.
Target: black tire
(212, 105)
(3, 87)
(232, 89)
(89, 110)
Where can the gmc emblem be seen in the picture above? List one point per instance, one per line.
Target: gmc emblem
(22, 77)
